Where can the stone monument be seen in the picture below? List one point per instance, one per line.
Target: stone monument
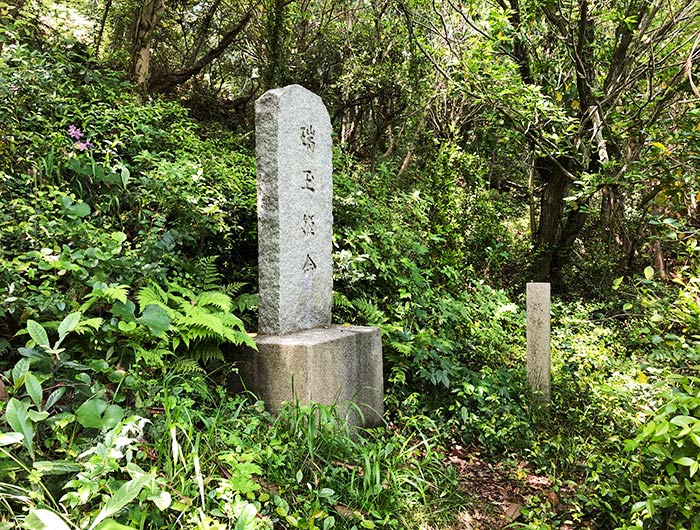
(538, 340)
(300, 355)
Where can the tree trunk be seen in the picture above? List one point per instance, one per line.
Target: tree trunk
(103, 22)
(556, 185)
(273, 73)
(144, 25)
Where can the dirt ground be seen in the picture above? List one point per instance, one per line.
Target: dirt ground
(498, 492)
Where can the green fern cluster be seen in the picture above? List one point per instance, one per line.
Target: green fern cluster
(200, 323)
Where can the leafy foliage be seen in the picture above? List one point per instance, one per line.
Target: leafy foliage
(466, 131)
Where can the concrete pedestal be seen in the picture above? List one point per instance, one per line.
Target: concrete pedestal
(326, 365)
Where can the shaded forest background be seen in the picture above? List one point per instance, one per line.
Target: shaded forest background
(479, 145)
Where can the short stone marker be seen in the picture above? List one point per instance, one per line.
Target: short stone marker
(538, 340)
(301, 356)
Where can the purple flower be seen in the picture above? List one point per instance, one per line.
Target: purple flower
(82, 146)
(76, 133)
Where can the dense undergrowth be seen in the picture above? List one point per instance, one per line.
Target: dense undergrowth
(127, 281)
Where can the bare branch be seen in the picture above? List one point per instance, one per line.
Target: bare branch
(694, 53)
(169, 81)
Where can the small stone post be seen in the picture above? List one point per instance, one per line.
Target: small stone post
(538, 340)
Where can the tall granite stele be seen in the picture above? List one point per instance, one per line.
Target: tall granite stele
(301, 356)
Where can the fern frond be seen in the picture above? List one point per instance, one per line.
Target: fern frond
(153, 358)
(177, 292)
(101, 291)
(246, 301)
(369, 312)
(209, 275)
(198, 317)
(231, 321)
(216, 299)
(186, 366)
(152, 294)
(87, 325)
(340, 300)
(192, 335)
(207, 352)
(115, 292)
(233, 288)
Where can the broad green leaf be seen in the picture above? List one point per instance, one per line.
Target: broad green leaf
(124, 311)
(123, 496)
(56, 467)
(126, 327)
(695, 438)
(33, 386)
(9, 438)
(67, 325)
(162, 500)
(38, 333)
(649, 272)
(18, 418)
(246, 520)
(44, 520)
(111, 524)
(326, 493)
(661, 429)
(156, 318)
(19, 371)
(125, 174)
(89, 414)
(112, 416)
(684, 461)
(683, 421)
(37, 416)
(79, 209)
(54, 397)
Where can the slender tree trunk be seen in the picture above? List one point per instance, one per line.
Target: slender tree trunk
(103, 22)
(273, 72)
(556, 185)
(531, 198)
(144, 25)
(659, 258)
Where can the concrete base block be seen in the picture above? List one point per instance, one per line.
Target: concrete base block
(326, 365)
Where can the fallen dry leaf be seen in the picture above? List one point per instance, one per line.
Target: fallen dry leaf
(511, 511)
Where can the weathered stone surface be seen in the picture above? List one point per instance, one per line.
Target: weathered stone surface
(295, 218)
(330, 364)
(538, 340)
(300, 355)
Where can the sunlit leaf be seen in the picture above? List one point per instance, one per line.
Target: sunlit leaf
(123, 496)
(89, 414)
(17, 416)
(44, 520)
(67, 325)
(37, 333)
(33, 386)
